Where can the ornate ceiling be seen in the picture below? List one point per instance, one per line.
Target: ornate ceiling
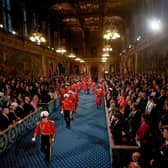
(92, 15)
(81, 16)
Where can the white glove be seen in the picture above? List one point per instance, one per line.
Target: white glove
(33, 139)
(19, 121)
(62, 112)
(52, 139)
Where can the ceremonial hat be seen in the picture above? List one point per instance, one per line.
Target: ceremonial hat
(70, 91)
(66, 95)
(44, 114)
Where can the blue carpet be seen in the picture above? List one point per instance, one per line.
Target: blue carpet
(85, 145)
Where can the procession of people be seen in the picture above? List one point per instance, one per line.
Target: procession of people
(137, 109)
(69, 100)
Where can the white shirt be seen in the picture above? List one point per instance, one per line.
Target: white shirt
(149, 107)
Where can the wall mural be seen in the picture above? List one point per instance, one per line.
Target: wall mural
(16, 63)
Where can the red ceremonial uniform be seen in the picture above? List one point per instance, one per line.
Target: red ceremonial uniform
(93, 87)
(48, 132)
(45, 128)
(67, 105)
(71, 100)
(98, 94)
(75, 100)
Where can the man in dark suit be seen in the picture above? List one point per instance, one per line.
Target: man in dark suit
(116, 128)
(20, 110)
(28, 108)
(160, 159)
(161, 100)
(4, 120)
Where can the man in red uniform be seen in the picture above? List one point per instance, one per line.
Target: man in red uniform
(99, 94)
(93, 87)
(47, 130)
(76, 100)
(67, 109)
(71, 100)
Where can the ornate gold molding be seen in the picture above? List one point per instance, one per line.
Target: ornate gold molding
(19, 43)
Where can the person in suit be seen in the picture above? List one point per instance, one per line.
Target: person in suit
(4, 119)
(160, 158)
(28, 108)
(20, 110)
(161, 100)
(12, 115)
(116, 127)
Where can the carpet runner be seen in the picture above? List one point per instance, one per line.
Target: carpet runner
(85, 145)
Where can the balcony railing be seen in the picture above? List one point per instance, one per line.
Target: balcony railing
(10, 135)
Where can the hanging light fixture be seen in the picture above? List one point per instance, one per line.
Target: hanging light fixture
(77, 59)
(107, 49)
(61, 50)
(71, 55)
(82, 61)
(37, 37)
(105, 54)
(104, 59)
(111, 33)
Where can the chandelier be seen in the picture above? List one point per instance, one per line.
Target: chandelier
(38, 38)
(106, 54)
(72, 55)
(104, 59)
(61, 50)
(77, 59)
(107, 49)
(80, 60)
(111, 35)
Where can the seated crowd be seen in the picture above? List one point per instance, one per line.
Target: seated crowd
(19, 98)
(137, 106)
